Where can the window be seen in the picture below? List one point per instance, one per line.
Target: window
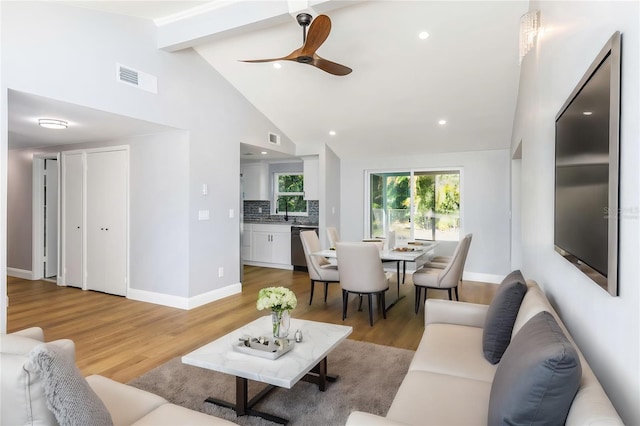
(417, 205)
(288, 194)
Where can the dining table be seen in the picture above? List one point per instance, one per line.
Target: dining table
(401, 255)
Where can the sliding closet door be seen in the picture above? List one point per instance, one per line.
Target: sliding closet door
(106, 209)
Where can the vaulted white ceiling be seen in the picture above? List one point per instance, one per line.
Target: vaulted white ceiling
(466, 71)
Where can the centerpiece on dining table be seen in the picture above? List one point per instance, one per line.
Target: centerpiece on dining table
(280, 300)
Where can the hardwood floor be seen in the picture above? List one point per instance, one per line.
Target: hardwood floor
(122, 339)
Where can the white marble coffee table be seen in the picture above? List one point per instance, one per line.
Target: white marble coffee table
(306, 361)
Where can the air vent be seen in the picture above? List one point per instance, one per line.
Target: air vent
(128, 76)
(139, 79)
(274, 138)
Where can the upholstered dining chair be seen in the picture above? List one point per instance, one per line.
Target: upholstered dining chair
(441, 262)
(447, 278)
(361, 272)
(333, 235)
(320, 269)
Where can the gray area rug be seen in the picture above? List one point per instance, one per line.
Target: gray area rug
(369, 377)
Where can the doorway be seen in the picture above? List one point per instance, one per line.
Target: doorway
(45, 217)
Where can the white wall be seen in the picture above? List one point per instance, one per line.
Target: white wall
(19, 209)
(70, 54)
(606, 328)
(485, 202)
(329, 193)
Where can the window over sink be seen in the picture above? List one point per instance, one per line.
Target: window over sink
(288, 194)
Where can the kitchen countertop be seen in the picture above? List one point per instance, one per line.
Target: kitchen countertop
(273, 222)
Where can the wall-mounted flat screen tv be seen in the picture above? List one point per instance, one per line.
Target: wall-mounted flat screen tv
(586, 170)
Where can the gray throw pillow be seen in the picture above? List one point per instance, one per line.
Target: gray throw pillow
(501, 316)
(67, 392)
(538, 376)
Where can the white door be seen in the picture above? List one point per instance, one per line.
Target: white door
(72, 208)
(51, 218)
(281, 248)
(261, 246)
(107, 188)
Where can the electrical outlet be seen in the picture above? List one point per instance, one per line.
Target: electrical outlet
(220, 272)
(259, 209)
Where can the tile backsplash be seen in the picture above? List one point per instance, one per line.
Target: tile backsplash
(252, 213)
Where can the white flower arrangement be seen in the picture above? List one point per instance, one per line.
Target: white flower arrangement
(277, 299)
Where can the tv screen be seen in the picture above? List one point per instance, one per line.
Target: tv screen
(586, 170)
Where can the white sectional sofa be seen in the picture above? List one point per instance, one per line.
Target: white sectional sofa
(450, 382)
(24, 402)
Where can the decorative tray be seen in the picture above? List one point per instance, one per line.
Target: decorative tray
(264, 348)
(404, 249)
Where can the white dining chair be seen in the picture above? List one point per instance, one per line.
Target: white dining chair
(320, 269)
(442, 279)
(361, 272)
(333, 235)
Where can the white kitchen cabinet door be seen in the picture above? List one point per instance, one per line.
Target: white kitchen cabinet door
(281, 248)
(72, 226)
(255, 181)
(106, 211)
(311, 178)
(261, 247)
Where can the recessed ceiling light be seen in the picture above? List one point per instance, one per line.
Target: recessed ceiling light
(442, 122)
(423, 35)
(332, 132)
(277, 65)
(263, 152)
(49, 123)
(587, 113)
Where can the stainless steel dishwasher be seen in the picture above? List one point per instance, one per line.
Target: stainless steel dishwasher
(298, 260)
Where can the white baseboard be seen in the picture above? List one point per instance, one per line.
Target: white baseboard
(467, 276)
(20, 273)
(268, 265)
(485, 278)
(183, 302)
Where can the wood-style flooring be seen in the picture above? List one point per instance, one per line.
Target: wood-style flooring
(122, 339)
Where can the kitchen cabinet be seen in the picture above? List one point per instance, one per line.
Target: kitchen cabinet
(311, 167)
(247, 233)
(271, 245)
(255, 181)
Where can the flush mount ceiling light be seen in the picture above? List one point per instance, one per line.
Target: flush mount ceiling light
(423, 35)
(49, 123)
(332, 132)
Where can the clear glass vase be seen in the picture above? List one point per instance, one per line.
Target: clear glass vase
(281, 322)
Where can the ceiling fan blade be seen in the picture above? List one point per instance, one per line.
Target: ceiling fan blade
(330, 67)
(318, 33)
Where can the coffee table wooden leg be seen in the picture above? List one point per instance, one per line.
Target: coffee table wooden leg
(319, 375)
(243, 406)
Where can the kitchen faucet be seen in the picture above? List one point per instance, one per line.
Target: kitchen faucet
(286, 209)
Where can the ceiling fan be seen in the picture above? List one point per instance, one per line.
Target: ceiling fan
(318, 33)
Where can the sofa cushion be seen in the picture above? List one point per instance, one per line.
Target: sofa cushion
(67, 393)
(171, 415)
(433, 399)
(453, 349)
(537, 377)
(501, 316)
(125, 403)
(21, 389)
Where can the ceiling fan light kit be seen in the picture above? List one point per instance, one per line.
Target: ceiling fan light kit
(319, 29)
